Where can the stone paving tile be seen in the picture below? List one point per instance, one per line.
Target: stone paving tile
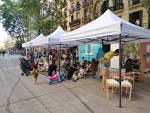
(31, 106)
(71, 84)
(16, 96)
(63, 102)
(42, 88)
(98, 101)
(3, 110)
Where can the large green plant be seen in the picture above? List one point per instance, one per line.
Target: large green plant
(130, 50)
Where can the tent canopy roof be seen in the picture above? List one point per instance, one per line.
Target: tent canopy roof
(34, 41)
(54, 39)
(56, 34)
(106, 28)
(38, 40)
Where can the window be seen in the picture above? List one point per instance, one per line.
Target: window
(117, 2)
(85, 13)
(77, 16)
(105, 6)
(71, 18)
(136, 18)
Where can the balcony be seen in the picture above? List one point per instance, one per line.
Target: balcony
(74, 23)
(86, 19)
(71, 10)
(77, 7)
(116, 7)
(65, 14)
(134, 2)
(85, 3)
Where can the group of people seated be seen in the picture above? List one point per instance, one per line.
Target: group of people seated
(74, 72)
(78, 71)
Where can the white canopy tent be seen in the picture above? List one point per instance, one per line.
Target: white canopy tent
(38, 40)
(26, 44)
(52, 39)
(34, 41)
(108, 28)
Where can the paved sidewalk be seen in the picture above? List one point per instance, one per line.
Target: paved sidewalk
(84, 96)
(19, 95)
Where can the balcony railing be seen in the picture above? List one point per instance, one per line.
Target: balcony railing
(77, 7)
(116, 7)
(65, 14)
(74, 22)
(71, 10)
(85, 3)
(136, 2)
(86, 19)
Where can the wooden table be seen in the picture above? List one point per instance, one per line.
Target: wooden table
(112, 83)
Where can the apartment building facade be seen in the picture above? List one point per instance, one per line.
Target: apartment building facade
(78, 11)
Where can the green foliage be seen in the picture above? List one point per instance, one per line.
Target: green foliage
(20, 17)
(11, 18)
(92, 9)
(18, 44)
(130, 50)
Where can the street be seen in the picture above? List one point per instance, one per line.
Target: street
(19, 95)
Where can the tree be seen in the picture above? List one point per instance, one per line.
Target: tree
(19, 43)
(11, 18)
(42, 15)
(93, 7)
(20, 17)
(31, 13)
(146, 4)
(52, 16)
(130, 50)
(104, 5)
(56, 14)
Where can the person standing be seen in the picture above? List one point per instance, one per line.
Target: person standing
(3, 53)
(35, 73)
(106, 63)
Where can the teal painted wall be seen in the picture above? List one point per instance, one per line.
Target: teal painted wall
(90, 51)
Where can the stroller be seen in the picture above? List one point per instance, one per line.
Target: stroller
(25, 66)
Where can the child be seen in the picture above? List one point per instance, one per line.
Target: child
(53, 78)
(35, 73)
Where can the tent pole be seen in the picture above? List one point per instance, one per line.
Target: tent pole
(27, 52)
(120, 66)
(59, 59)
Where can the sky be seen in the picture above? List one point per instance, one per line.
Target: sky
(3, 34)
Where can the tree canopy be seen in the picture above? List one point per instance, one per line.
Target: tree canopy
(19, 17)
